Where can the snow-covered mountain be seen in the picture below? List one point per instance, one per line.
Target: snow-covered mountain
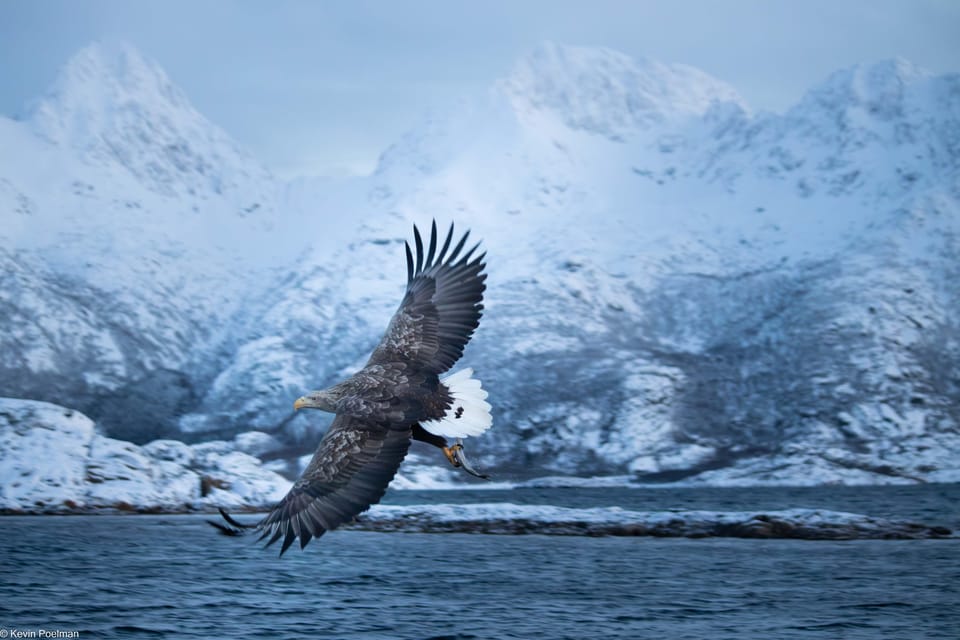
(134, 232)
(679, 289)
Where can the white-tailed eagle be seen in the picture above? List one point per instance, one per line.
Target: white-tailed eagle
(396, 397)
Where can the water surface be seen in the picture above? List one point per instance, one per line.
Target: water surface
(147, 576)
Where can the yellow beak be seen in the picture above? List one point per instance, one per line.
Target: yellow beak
(299, 404)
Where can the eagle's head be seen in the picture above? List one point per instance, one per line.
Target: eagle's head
(316, 400)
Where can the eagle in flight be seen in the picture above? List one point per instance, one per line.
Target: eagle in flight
(397, 397)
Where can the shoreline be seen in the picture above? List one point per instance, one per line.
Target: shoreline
(504, 518)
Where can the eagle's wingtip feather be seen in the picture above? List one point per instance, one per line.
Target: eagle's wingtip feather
(419, 242)
(446, 245)
(459, 247)
(433, 245)
(466, 257)
(409, 261)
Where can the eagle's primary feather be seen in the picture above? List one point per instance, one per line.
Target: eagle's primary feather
(441, 308)
(381, 407)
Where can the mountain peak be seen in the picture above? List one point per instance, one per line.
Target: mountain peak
(122, 66)
(97, 81)
(880, 89)
(113, 106)
(607, 92)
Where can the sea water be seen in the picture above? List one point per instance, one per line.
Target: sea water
(155, 576)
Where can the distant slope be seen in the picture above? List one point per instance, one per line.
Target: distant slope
(679, 289)
(131, 223)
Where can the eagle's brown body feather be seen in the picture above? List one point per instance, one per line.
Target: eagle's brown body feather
(378, 408)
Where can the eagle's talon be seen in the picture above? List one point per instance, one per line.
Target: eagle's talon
(452, 454)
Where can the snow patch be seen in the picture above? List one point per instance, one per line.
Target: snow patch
(53, 460)
(507, 518)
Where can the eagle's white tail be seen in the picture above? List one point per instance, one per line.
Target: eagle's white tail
(469, 415)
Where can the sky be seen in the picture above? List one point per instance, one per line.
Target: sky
(322, 88)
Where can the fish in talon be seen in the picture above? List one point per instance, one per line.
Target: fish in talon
(461, 458)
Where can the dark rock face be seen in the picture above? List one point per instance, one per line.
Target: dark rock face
(156, 400)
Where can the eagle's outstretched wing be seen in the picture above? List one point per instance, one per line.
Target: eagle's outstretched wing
(349, 472)
(441, 308)
(358, 457)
